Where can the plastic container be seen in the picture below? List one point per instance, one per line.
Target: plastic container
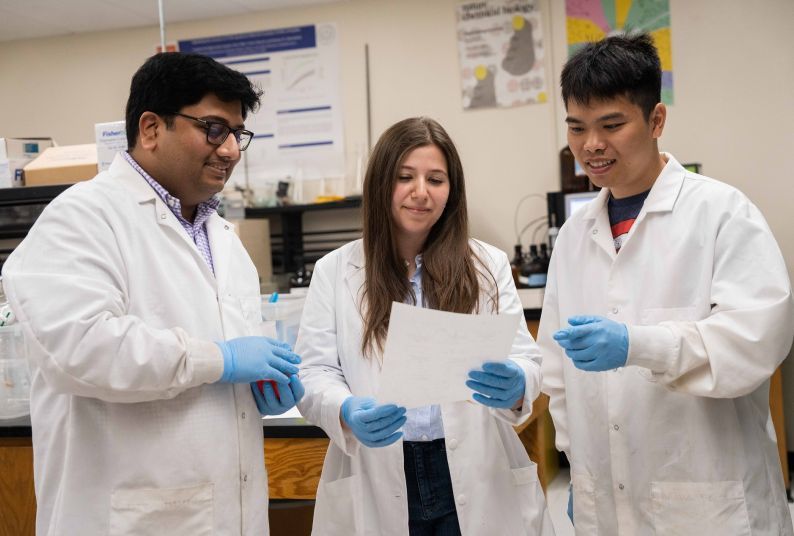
(14, 374)
(286, 313)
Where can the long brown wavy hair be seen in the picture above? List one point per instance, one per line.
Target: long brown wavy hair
(452, 273)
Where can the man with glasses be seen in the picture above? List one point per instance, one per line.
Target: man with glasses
(141, 314)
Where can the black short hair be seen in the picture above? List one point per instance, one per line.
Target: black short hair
(619, 66)
(169, 81)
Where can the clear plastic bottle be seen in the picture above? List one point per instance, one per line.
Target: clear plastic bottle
(14, 372)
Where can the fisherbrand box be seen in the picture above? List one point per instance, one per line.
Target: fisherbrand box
(111, 138)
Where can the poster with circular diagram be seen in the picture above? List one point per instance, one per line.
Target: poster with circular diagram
(588, 21)
(500, 44)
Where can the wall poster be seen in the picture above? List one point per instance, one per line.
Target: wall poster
(502, 54)
(298, 129)
(588, 21)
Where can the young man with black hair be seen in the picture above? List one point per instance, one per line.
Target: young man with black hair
(667, 309)
(141, 313)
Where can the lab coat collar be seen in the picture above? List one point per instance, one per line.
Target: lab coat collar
(131, 180)
(219, 231)
(667, 187)
(661, 198)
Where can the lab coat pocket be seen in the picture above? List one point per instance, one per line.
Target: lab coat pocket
(532, 501)
(336, 511)
(702, 508)
(585, 517)
(162, 511)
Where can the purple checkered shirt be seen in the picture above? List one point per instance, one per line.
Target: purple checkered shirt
(197, 230)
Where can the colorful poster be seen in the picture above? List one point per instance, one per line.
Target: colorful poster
(298, 128)
(592, 20)
(500, 44)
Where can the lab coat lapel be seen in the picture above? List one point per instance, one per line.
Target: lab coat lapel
(600, 230)
(140, 191)
(221, 235)
(355, 273)
(662, 197)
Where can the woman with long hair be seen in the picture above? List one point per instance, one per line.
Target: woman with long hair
(449, 469)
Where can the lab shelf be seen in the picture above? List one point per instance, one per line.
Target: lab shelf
(293, 248)
(30, 195)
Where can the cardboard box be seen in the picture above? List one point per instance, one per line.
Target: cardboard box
(15, 153)
(255, 236)
(62, 165)
(111, 138)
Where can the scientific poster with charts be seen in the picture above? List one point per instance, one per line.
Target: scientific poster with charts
(298, 129)
(502, 55)
(588, 21)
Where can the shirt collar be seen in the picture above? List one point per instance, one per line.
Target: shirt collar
(203, 210)
(417, 277)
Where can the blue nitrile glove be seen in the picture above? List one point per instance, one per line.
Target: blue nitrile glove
(498, 384)
(570, 503)
(270, 404)
(247, 359)
(594, 343)
(373, 425)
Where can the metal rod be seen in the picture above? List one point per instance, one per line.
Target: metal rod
(162, 25)
(369, 101)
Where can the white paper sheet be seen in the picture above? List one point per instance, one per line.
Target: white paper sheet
(428, 353)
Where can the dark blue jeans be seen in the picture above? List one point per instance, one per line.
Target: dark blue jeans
(431, 503)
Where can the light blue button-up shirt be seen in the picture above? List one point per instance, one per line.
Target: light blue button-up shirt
(422, 424)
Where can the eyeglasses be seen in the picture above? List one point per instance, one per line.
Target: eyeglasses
(218, 132)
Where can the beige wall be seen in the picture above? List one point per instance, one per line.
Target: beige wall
(733, 112)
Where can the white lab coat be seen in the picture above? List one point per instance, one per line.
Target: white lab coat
(679, 441)
(119, 312)
(362, 490)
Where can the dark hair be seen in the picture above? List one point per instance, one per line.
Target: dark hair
(169, 81)
(617, 66)
(451, 272)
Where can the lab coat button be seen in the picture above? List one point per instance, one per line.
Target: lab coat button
(614, 310)
(621, 486)
(452, 444)
(461, 499)
(245, 478)
(226, 227)
(616, 427)
(595, 231)
(243, 415)
(162, 216)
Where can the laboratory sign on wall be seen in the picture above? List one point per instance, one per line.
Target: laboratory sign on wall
(500, 44)
(298, 129)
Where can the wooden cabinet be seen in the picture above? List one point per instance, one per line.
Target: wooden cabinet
(17, 498)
